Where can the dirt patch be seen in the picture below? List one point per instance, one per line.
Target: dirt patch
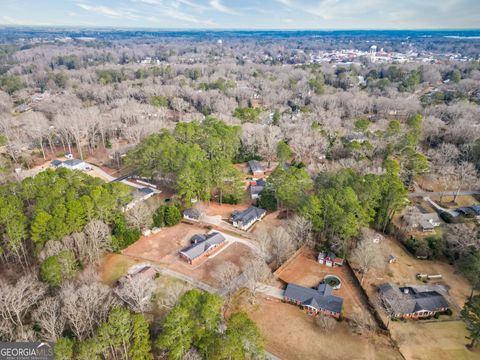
(224, 210)
(421, 339)
(404, 271)
(207, 269)
(291, 334)
(304, 270)
(433, 341)
(168, 241)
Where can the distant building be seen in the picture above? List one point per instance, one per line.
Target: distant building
(256, 189)
(329, 259)
(256, 169)
(56, 163)
(75, 164)
(245, 219)
(202, 245)
(411, 302)
(139, 195)
(356, 137)
(315, 301)
(191, 214)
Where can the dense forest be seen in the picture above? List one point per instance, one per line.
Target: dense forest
(348, 142)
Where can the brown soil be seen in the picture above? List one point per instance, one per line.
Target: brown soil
(291, 334)
(168, 241)
(306, 271)
(206, 270)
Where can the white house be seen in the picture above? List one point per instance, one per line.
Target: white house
(75, 164)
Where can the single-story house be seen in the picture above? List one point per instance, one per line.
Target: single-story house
(256, 191)
(315, 301)
(428, 222)
(75, 164)
(476, 209)
(56, 163)
(469, 211)
(192, 214)
(202, 245)
(245, 219)
(255, 168)
(330, 259)
(355, 137)
(139, 195)
(411, 302)
(142, 272)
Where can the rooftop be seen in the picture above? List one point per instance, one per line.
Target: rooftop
(409, 299)
(202, 243)
(320, 298)
(248, 215)
(255, 166)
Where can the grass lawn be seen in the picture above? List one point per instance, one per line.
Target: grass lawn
(433, 341)
(115, 266)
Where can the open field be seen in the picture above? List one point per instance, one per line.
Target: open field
(403, 271)
(422, 339)
(433, 341)
(168, 241)
(206, 270)
(290, 334)
(115, 266)
(224, 210)
(304, 270)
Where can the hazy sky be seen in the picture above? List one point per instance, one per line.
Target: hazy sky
(246, 14)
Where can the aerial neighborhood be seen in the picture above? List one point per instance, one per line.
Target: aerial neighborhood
(238, 195)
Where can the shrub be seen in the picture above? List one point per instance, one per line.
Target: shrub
(166, 215)
(122, 234)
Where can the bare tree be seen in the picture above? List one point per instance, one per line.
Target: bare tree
(140, 216)
(85, 307)
(16, 301)
(137, 293)
(171, 294)
(255, 272)
(98, 238)
(277, 246)
(300, 230)
(227, 276)
(368, 256)
(49, 317)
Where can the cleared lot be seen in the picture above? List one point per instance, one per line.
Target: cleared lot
(304, 270)
(290, 334)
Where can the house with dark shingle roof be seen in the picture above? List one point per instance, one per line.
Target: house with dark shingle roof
(202, 245)
(191, 214)
(245, 219)
(315, 301)
(255, 168)
(411, 302)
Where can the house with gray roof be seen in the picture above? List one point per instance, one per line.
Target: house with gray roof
(74, 164)
(315, 301)
(245, 219)
(192, 214)
(202, 245)
(411, 301)
(255, 168)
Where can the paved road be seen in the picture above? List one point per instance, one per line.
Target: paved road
(443, 193)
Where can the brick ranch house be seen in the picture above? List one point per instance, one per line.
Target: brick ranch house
(202, 246)
(315, 301)
(411, 302)
(245, 219)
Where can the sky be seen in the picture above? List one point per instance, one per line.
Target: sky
(245, 14)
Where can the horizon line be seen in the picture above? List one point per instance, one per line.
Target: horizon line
(109, 27)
